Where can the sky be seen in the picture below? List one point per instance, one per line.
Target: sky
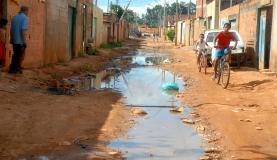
(138, 6)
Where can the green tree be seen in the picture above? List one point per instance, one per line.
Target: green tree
(170, 34)
(130, 16)
(117, 10)
(154, 16)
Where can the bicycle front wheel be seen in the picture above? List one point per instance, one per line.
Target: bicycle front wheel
(225, 75)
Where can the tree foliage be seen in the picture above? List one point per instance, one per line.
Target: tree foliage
(154, 16)
(130, 16)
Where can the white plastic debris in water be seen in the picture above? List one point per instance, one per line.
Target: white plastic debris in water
(166, 61)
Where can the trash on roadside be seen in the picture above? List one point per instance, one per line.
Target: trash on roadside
(84, 146)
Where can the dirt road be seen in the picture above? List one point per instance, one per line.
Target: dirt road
(243, 118)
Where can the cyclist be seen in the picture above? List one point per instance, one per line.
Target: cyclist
(223, 40)
(200, 46)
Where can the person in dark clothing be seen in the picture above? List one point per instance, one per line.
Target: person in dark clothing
(19, 27)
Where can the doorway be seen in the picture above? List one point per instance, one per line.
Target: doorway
(71, 30)
(84, 25)
(264, 36)
(3, 9)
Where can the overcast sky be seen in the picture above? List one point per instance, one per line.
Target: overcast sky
(139, 6)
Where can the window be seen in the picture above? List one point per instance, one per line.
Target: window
(224, 4)
(211, 36)
(209, 22)
(233, 23)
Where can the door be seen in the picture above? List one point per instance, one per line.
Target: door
(84, 24)
(3, 9)
(181, 33)
(264, 37)
(71, 31)
(261, 50)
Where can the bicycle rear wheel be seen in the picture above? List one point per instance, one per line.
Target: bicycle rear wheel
(225, 75)
(200, 64)
(205, 64)
(218, 74)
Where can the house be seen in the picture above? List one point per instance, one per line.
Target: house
(60, 30)
(109, 22)
(253, 20)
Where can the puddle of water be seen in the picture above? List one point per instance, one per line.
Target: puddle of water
(161, 134)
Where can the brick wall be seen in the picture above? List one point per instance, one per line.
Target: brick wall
(57, 29)
(201, 9)
(35, 39)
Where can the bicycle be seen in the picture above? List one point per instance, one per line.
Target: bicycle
(204, 60)
(223, 71)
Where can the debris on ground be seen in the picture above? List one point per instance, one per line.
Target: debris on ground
(177, 110)
(82, 145)
(65, 143)
(259, 128)
(188, 121)
(138, 112)
(205, 158)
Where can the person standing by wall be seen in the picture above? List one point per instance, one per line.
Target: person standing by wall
(3, 42)
(19, 27)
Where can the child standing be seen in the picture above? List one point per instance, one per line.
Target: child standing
(3, 41)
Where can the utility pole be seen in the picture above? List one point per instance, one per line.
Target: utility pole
(189, 21)
(176, 23)
(125, 10)
(189, 6)
(164, 24)
(108, 7)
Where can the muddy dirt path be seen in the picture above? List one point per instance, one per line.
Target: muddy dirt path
(35, 122)
(242, 120)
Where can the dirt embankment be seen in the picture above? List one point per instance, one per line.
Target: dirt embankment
(34, 122)
(241, 119)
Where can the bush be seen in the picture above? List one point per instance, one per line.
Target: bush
(111, 45)
(170, 34)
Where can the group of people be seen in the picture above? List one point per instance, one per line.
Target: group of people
(18, 37)
(222, 44)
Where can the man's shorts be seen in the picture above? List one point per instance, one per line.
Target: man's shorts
(219, 52)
